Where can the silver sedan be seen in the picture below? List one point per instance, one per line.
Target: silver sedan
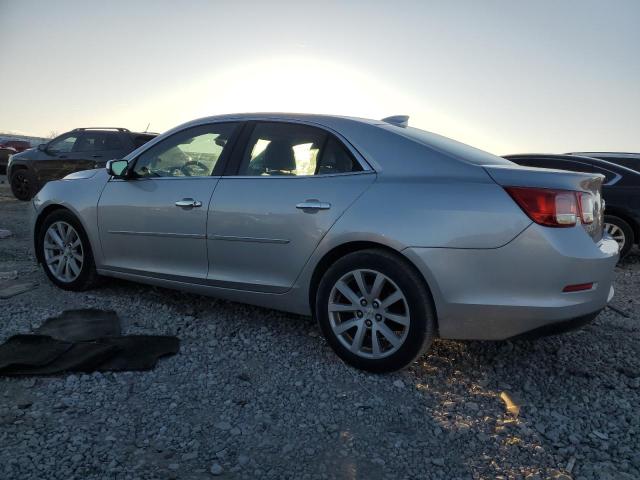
(388, 235)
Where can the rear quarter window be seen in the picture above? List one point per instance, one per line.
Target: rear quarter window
(140, 140)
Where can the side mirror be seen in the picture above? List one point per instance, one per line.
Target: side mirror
(42, 147)
(117, 168)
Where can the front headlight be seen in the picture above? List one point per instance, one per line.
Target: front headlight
(9, 161)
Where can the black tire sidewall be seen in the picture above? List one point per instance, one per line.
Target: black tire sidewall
(87, 272)
(31, 178)
(628, 232)
(422, 324)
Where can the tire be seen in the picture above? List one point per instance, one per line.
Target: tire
(24, 184)
(621, 231)
(81, 277)
(398, 344)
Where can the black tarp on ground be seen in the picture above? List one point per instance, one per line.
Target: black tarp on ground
(82, 341)
(81, 325)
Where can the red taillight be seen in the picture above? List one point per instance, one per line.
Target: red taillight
(552, 208)
(578, 287)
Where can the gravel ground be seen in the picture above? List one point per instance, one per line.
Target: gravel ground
(256, 393)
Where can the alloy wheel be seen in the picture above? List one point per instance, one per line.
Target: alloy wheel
(63, 252)
(369, 313)
(616, 233)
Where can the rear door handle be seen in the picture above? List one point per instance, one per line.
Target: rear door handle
(188, 203)
(96, 156)
(313, 205)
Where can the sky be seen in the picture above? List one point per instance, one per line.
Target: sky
(507, 76)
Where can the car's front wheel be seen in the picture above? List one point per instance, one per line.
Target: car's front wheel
(23, 184)
(375, 310)
(65, 252)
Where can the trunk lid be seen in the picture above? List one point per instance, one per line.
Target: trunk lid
(519, 176)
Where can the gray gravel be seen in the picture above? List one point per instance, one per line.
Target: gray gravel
(256, 393)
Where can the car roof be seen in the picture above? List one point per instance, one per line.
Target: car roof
(112, 129)
(320, 119)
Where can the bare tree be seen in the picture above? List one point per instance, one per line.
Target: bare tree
(53, 134)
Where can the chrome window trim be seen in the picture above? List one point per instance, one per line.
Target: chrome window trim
(146, 179)
(366, 167)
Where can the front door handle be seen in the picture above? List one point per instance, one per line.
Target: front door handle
(188, 203)
(313, 205)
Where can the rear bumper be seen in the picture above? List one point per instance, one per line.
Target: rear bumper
(495, 294)
(559, 327)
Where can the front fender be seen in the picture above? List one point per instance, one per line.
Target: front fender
(80, 197)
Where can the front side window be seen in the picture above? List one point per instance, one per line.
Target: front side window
(281, 149)
(190, 153)
(63, 145)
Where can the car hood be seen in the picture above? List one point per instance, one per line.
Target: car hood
(83, 174)
(30, 154)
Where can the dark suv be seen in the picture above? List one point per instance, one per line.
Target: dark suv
(80, 149)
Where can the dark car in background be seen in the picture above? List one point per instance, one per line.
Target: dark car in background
(625, 159)
(79, 149)
(17, 145)
(620, 189)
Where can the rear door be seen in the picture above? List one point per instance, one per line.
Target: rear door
(291, 182)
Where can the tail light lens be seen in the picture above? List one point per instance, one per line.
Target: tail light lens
(554, 208)
(587, 207)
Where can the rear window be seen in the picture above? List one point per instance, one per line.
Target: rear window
(629, 162)
(459, 150)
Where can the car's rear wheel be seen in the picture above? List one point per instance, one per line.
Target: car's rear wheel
(375, 310)
(23, 184)
(65, 252)
(621, 232)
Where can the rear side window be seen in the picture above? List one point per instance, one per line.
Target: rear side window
(140, 140)
(336, 159)
(112, 141)
(97, 141)
(284, 149)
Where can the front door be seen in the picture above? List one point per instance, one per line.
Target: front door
(292, 183)
(154, 223)
(56, 160)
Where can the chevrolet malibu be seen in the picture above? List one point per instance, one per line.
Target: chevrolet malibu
(389, 235)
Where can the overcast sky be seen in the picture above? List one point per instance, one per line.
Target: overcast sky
(506, 76)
